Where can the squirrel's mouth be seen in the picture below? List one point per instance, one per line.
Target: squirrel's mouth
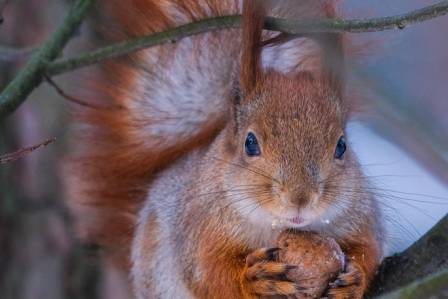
(293, 222)
(298, 221)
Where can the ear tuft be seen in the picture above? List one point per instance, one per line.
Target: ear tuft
(333, 60)
(253, 21)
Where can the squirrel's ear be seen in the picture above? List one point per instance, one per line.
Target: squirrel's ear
(253, 21)
(333, 62)
(333, 55)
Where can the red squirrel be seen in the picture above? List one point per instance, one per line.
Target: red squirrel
(213, 145)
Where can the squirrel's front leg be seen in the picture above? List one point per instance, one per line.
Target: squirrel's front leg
(264, 276)
(242, 273)
(363, 258)
(351, 284)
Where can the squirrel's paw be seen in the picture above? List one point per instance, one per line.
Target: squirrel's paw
(349, 284)
(264, 276)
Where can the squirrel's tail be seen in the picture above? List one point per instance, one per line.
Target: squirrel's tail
(158, 104)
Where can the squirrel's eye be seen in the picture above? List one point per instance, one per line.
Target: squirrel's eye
(340, 148)
(251, 144)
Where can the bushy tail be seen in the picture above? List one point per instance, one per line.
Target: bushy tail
(157, 105)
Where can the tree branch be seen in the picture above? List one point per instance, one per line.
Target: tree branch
(139, 43)
(434, 286)
(31, 74)
(294, 27)
(41, 62)
(426, 256)
(358, 25)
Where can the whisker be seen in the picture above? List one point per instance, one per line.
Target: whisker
(347, 199)
(231, 191)
(257, 171)
(259, 204)
(258, 195)
(373, 191)
(400, 200)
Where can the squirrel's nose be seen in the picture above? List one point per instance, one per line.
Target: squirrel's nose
(304, 197)
(299, 198)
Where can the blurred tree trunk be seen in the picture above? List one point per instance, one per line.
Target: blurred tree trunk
(39, 257)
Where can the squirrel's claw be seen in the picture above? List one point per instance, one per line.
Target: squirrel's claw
(268, 270)
(273, 287)
(262, 254)
(264, 276)
(348, 285)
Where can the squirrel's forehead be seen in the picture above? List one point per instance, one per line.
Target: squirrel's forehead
(297, 121)
(298, 110)
(295, 108)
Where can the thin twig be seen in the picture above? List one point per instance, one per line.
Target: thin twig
(32, 73)
(7, 158)
(294, 27)
(66, 96)
(359, 25)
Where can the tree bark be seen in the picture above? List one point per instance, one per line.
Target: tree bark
(416, 264)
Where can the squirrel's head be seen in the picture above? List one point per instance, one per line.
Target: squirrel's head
(285, 142)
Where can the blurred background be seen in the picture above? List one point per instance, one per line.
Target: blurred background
(400, 133)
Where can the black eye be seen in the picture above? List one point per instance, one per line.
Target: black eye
(340, 148)
(251, 144)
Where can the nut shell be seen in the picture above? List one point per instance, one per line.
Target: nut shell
(319, 260)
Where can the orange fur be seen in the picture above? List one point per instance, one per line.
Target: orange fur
(121, 158)
(251, 57)
(113, 169)
(363, 253)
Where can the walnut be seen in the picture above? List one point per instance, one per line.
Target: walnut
(319, 260)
